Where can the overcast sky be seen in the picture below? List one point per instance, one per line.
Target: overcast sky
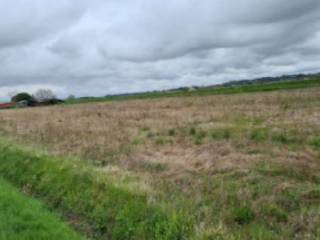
(101, 47)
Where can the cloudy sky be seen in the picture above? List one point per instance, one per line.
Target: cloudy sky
(101, 47)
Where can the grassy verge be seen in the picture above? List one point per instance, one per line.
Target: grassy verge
(22, 218)
(267, 87)
(93, 204)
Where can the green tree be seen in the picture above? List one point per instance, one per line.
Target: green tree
(21, 97)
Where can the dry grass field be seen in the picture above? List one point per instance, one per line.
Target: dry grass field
(177, 135)
(243, 165)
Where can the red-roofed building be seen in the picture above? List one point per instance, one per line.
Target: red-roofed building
(6, 105)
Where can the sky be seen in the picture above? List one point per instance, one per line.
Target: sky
(99, 47)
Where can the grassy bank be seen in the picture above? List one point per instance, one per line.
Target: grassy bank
(22, 218)
(89, 201)
(257, 87)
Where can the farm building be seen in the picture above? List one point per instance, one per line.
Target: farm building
(6, 105)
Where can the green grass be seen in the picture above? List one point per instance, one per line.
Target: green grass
(315, 143)
(267, 87)
(101, 209)
(268, 201)
(23, 218)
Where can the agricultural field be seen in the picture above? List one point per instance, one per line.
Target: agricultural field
(242, 165)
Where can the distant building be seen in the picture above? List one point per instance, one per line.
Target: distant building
(6, 105)
(22, 104)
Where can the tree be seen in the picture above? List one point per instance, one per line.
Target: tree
(71, 97)
(21, 97)
(43, 95)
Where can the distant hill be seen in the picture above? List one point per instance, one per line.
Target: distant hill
(254, 85)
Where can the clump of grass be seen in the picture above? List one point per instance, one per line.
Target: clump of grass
(162, 141)
(172, 132)
(151, 135)
(221, 134)
(243, 215)
(199, 137)
(193, 131)
(281, 137)
(137, 141)
(315, 143)
(145, 129)
(274, 211)
(102, 209)
(259, 134)
(154, 167)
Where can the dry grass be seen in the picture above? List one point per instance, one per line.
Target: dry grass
(156, 133)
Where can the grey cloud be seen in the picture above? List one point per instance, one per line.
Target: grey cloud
(99, 47)
(26, 21)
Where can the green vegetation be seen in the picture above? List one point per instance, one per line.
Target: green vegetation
(21, 97)
(243, 215)
(316, 143)
(101, 209)
(220, 134)
(265, 202)
(22, 218)
(257, 87)
(259, 134)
